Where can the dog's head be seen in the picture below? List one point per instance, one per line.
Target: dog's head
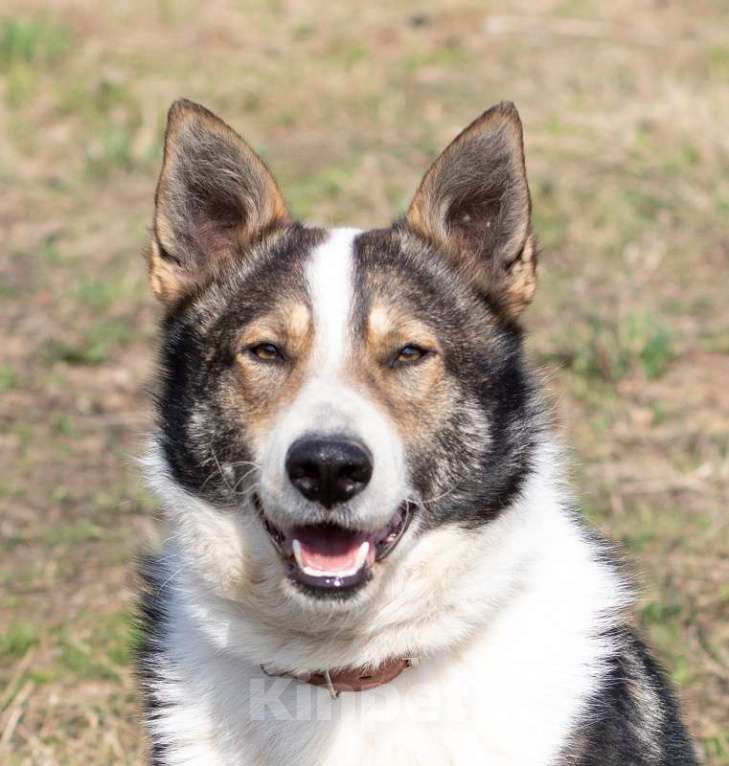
(330, 398)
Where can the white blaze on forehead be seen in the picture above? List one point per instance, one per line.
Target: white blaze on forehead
(329, 403)
(330, 278)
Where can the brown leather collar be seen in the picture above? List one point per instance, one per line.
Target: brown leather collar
(352, 679)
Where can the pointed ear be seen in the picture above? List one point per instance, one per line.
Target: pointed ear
(474, 204)
(214, 198)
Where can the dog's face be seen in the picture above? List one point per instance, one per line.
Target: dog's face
(331, 397)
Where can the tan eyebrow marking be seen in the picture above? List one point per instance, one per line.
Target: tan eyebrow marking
(388, 326)
(407, 396)
(379, 321)
(289, 324)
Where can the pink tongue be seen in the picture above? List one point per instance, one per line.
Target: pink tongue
(328, 550)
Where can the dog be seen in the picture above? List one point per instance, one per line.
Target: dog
(373, 556)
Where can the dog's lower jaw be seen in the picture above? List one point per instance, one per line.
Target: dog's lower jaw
(509, 621)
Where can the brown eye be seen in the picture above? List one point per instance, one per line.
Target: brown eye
(409, 354)
(266, 352)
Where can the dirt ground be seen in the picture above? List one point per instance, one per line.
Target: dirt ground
(626, 107)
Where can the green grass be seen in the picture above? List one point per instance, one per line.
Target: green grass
(29, 47)
(79, 659)
(16, 640)
(550, 220)
(73, 533)
(324, 185)
(95, 347)
(451, 55)
(716, 747)
(110, 113)
(607, 349)
(9, 378)
(716, 341)
(346, 54)
(116, 636)
(29, 41)
(112, 501)
(117, 286)
(718, 56)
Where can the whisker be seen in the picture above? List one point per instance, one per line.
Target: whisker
(243, 478)
(236, 463)
(210, 476)
(169, 579)
(435, 498)
(220, 469)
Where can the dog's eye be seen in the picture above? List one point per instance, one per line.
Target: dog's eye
(409, 354)
(266, 352)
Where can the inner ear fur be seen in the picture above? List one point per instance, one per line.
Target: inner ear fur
(474, 204)
(214, 198)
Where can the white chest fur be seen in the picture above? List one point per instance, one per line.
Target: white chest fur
(468, 708)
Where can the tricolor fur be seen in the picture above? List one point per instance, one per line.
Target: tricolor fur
(405, 343)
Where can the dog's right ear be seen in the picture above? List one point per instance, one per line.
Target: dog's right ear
(214, 198)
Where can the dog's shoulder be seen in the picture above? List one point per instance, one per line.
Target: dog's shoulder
(633, 718)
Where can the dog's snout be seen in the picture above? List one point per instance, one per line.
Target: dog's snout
(329, 470)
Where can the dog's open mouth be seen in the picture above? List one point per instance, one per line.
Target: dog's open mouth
(332, 557)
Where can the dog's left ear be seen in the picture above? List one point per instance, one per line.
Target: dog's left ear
(474, 204)
(215, 197)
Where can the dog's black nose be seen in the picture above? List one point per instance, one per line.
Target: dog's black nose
(328, 470)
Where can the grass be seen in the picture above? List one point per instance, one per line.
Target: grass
(26, 41)
(94, 347)
(628, 160)
(28, 45)
(19, 637)
(8, 377)
(607, 349)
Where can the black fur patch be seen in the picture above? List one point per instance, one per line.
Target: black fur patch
(633, 719)
(153, 628)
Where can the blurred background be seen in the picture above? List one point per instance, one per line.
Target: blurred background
(626, 108)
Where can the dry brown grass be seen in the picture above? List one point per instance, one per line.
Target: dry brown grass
(625, 106)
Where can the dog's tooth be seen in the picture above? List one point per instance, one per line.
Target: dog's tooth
(364, 549)
(298, 555)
